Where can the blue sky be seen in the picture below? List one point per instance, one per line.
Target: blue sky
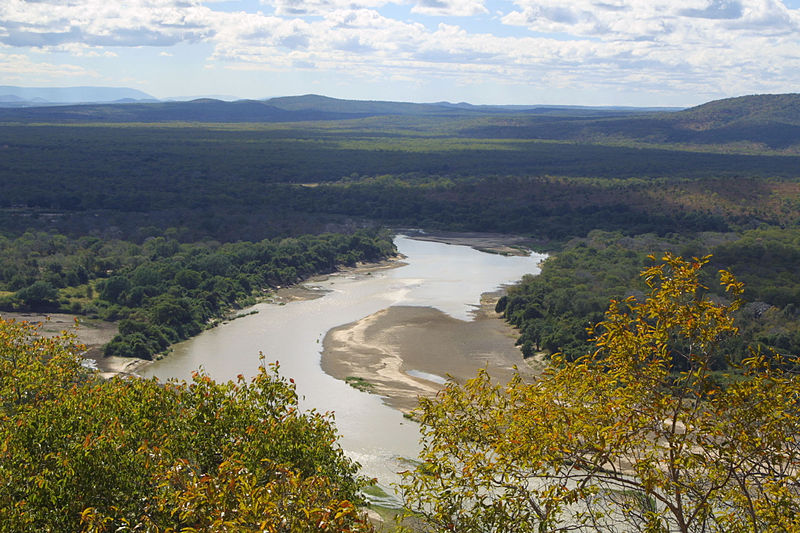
(591, 52)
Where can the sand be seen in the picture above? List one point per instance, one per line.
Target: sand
(496, 243)
(405, 352)
(306, 290)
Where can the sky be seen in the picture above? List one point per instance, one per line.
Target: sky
(579, 52)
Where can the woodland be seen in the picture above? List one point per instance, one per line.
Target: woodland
(602, 187)
(167, 217)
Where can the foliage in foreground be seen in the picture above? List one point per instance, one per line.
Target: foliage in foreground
(79, 453)
(618, 439)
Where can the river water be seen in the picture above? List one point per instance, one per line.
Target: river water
(450, 278)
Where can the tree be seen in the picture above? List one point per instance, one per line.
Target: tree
(639, 435)
(38, 295)
(78, 453)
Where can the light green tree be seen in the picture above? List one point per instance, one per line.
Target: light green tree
(621, 440)
(81, 453)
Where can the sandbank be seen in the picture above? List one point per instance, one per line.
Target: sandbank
(307, 290)
(497, 243)
(404, 352)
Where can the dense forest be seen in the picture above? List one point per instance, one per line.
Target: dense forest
(241, 182)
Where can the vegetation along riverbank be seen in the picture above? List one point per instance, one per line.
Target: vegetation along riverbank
(162, 291)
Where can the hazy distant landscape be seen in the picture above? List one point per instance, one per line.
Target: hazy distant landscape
(165, 218)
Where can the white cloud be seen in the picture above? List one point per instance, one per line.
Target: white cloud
(19, 67)
(76, 50)
(102, 23)
(296, 8)
(457, 8)
(679, 45)
(651, 19)
(682, 44)
(453, 8)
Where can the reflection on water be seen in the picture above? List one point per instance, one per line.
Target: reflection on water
(450, 278)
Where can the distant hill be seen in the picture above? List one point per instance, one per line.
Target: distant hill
(753, 109)
(378, 107)
(748, 122)
(284, 109)
(769, 120)
(202, 110)
(360, 108)
(12, 96)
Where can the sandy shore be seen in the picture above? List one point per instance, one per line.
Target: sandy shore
(497, 243)
(404, 352)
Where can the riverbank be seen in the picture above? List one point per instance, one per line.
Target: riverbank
(309, 290)
(94, 334)
(404, 352)
(460, 347)
(495, 243)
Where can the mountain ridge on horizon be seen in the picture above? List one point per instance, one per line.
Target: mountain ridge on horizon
(33, 96)
(309, 107)
(88, 95)
(91, 95)
(768, 120)
(292, 101)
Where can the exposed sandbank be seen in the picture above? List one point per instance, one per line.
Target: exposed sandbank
(305, 290)
(405, 352)
(497, 243)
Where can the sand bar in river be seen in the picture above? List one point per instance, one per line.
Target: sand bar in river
(404, 352)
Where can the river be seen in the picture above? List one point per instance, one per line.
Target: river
(450, 278)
